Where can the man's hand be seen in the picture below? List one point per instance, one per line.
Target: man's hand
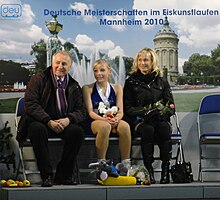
(64, 122)
(58, 125)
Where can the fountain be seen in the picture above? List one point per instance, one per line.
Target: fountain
(122, 72)
(82, 71)
(19, 86)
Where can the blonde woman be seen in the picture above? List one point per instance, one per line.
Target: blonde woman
(145, 90)
(101, 125)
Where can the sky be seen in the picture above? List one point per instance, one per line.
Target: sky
(196, 33)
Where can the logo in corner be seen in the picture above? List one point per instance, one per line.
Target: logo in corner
(10, 9)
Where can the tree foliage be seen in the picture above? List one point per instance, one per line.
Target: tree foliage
(40, 52)
(128, 61)
(199, 65)
(68, 46)
(11, 72)
(207, 65)
(215, 55)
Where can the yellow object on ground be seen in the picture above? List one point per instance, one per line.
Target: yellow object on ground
(119, 181)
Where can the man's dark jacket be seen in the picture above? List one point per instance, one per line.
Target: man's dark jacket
(37, 98)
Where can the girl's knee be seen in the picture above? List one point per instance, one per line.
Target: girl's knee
(124, 128)
(101, 127)
(105, 129)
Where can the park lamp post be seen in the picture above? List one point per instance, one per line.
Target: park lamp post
(193, 78)
(53, 43)
(202, 78)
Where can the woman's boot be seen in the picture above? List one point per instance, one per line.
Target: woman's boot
(147, 153)
(165, 175)
(165, 155)
(151, 174)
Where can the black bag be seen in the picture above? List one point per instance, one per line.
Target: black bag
(181, 172)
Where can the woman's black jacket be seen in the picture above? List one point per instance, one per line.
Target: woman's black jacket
(139, 94)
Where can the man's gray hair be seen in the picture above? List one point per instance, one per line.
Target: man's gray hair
(65, 53)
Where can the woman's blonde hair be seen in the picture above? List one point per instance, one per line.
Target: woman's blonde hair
(153, 59)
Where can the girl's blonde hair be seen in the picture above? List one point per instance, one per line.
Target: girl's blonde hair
(102, 62)
(153, 59)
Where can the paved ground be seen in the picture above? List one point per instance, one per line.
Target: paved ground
(217, 89)
(9, 95)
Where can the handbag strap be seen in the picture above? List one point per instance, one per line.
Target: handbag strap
(180, 152)
(180, 155)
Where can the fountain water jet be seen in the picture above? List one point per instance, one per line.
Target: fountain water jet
(82, 71)
(19, 86)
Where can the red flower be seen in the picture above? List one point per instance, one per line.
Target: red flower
(172, 106)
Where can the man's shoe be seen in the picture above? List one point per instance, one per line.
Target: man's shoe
(68, 181)
(47, 182)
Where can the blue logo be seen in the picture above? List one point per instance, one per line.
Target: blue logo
(11, 11)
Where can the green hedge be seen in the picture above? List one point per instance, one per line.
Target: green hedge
(188, 102)
(8, 105)
(184, 102)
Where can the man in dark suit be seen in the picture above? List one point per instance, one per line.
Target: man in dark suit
(54, 108)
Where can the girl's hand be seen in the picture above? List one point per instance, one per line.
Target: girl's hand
(112, 121)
